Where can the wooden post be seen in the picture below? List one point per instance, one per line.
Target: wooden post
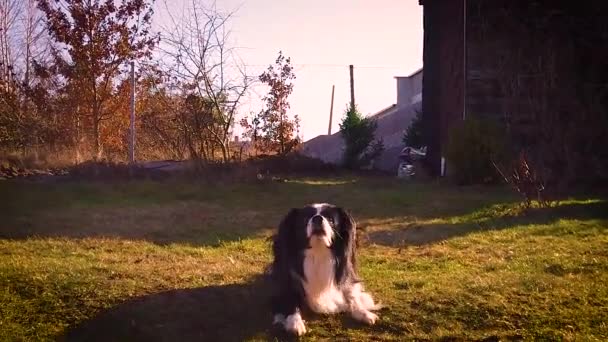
(331, 109)
(132, 118)
(352, 88)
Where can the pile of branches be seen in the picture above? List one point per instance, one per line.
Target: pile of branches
(526, 180)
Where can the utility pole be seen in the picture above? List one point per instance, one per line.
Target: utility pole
(281, 140)
(331, 109)
(132, 119)
(352, 88)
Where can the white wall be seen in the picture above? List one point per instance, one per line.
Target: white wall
(409, 89)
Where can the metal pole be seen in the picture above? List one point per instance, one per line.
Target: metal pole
(352, 88)
(464, 58)
(331, 109)
(132, 119)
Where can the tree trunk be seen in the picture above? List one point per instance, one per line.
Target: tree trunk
(98, 145)
(96, 142)
(77, 157)
(224, 151)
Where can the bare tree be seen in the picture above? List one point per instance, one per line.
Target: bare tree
(33, 47)
(32, 26)
(208, 73)
(9, 14)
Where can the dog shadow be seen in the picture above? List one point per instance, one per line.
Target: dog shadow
(234, 312)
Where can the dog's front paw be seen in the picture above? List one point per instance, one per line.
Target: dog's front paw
(366, 317)
(295, 325)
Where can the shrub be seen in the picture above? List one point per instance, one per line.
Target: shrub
(472, 148)
(358, 134)
(413, 135)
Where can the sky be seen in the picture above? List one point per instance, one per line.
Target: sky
(381, 38)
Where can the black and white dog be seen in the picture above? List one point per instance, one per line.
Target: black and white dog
(314, 265)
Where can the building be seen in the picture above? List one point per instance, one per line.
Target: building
(516, 61)
(392, 122)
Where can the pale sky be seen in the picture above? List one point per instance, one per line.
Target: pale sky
(382, 38)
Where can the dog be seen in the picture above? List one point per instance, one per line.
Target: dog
(314, 265)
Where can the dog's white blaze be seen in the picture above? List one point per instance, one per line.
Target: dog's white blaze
(319, 267)
(329, 233)
(319, 206)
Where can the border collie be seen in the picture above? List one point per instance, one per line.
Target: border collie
(314, 265)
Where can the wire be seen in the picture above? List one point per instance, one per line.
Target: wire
(333, 66)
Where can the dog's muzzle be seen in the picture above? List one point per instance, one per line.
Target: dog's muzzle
(317, 225)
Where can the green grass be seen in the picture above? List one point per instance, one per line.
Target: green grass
(183, 261)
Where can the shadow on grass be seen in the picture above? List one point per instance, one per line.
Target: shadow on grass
(423, 234)
(202, 214)
(232, 312)
(159, 212)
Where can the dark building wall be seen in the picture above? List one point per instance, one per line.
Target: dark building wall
(484, 46)
(443, 79)
(525, 59)
(506, 60)
(538, 67)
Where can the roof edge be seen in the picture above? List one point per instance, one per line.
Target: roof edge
(412, 74)
(382, 112)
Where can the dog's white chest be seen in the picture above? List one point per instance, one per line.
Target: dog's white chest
(322, 294)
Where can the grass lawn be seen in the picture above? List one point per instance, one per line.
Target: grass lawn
(176, 261)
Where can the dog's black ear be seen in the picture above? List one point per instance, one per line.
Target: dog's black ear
(347, 224)
(283, 262)
(347, 230)
(283, 240)
(289, 219)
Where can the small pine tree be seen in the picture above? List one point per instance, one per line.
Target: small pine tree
(413, 134)
(358, 134)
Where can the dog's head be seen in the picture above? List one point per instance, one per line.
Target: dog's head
(317, 226)
(320, 224)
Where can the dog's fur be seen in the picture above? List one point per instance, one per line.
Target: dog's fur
(314, 265)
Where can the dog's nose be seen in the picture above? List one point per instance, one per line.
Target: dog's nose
(317, 225)
(317, 220)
